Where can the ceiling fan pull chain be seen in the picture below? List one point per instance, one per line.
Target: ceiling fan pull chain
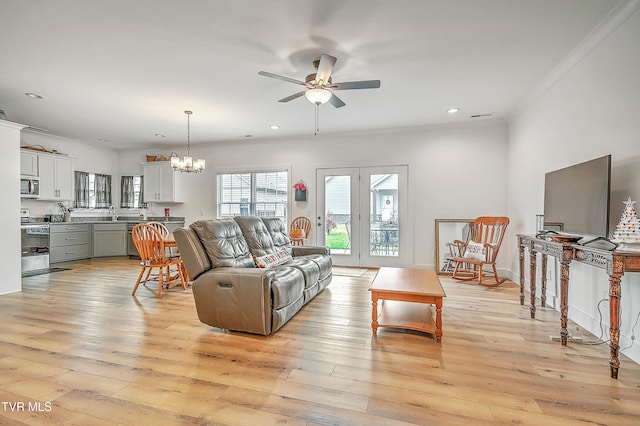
(317, 120)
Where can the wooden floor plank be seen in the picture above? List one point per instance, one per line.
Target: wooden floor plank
(79, 341)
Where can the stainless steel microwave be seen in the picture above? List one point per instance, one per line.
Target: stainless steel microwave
(29, 187)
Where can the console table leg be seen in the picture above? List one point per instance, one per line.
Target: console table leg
(532, 279)
(564, 296)
(543, 290)
(521, 265)
(614, 313)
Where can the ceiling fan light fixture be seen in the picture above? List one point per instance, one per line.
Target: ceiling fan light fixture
(318, 96)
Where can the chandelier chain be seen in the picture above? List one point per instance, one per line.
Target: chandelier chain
(188, 133)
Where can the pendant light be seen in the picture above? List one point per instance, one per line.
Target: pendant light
(186, 163)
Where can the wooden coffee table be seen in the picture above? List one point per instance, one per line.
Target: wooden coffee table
(406, 297)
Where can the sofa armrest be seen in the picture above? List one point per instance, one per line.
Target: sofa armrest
(305, 250)
(235, 299)
(193, 254)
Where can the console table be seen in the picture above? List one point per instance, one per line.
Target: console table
(616, 263)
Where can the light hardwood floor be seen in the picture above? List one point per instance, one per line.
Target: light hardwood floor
(79, 341)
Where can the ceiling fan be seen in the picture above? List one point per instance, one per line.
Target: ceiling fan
(319, 85)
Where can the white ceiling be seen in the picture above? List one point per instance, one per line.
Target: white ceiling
(124, 70)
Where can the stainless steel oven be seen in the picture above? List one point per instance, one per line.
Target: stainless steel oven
(35, 246)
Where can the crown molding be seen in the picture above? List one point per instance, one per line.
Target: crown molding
(614, 19)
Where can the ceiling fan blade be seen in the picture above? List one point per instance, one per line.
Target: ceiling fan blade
(336, 101)
(325, 67)
(281, 77)
(292, 97)
(367, 84)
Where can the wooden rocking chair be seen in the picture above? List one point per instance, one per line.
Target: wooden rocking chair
(481, 251)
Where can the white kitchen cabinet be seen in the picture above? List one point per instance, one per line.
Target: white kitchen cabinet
(56, 177)
(28, 163)
(161, 183)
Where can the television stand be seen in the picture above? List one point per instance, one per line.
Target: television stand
(615, 262)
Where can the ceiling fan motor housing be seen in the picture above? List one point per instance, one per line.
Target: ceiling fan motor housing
(311, 79)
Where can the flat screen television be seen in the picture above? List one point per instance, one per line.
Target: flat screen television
(576, 198)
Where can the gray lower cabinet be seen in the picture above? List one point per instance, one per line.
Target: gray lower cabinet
(69, 242)
(109, 239)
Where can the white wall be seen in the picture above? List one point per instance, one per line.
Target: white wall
(454, 171)
(10, 195)
(591, 111)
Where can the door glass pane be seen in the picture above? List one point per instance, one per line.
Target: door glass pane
(384, 224)
(337, 214)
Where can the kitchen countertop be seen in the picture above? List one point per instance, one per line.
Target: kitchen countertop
(121, 219)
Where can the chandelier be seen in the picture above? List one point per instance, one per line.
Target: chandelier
(186, 163)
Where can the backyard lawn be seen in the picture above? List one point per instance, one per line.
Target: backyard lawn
(338, 237)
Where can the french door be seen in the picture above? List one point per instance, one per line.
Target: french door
(362, 215)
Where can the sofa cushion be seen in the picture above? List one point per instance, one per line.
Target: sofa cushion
(223, 241)
(271, 260)
(256, 234)
(278, 231)
(287, 286)
(323, 262)
(309, 269)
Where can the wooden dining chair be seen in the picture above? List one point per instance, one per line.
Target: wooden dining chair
(299, 230)
(164, 232)
(153, 254)
(481, 251)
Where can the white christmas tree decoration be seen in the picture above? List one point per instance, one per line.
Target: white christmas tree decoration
(628, 229)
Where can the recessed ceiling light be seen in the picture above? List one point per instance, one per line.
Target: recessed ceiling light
(103, 140)
(34, 95)
(453, 110)
(274, 127)
(160, 135)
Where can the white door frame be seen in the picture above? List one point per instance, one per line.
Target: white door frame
(360, 253)
(339, 257)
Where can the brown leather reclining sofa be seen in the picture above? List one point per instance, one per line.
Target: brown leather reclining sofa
(231, 291)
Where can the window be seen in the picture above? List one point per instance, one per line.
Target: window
(131, 192)
(262, 194)
(92, 190)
